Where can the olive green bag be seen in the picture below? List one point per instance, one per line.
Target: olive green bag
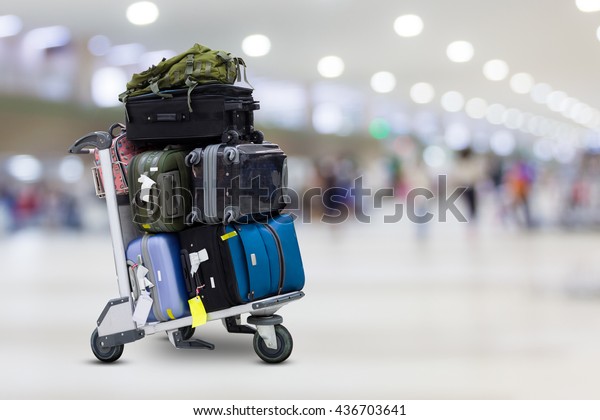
(198, 65)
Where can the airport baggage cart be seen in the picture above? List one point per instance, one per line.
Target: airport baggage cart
(117, 325)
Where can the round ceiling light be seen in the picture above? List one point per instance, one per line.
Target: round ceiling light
(383, 82)
(408, 25)
(330, 66)
(521, 83)
(142, 13)
(256, 45)
(460, 51)
(422, 93)
(495, 70)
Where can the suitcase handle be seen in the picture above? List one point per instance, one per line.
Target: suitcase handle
(100, 140)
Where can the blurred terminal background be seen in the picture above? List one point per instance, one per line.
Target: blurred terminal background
(501, 97)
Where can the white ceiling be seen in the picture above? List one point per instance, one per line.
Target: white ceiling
(550, 39)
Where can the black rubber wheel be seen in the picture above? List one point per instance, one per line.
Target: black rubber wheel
(285, 344)
(105, 354)
(230, 136)
(187, 332)
(258, 137)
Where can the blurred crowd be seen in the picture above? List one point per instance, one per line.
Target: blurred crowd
(515, 191)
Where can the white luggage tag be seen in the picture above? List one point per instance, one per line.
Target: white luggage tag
(197, 258)
(142, 280)
(142, 308)
(147, 184)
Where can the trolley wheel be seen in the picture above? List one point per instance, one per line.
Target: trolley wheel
(187, 332)
(285, 345)
(105, 354)
(230, 136)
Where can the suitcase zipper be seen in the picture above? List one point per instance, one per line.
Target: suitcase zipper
(280, 254)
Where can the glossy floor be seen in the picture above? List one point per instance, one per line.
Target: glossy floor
(456, 313)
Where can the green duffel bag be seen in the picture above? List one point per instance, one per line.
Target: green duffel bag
(159, 190)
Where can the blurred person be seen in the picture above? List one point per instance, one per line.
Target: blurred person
(417, 176)
(28, 206)
(469, 171)
(519, 179)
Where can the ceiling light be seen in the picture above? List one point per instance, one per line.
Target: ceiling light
(107, 84)
(330, 66)
(142, 13)
(495, 113)
(98, 45)
(457, 136)
(588, 5)
(408, 25)
(460, 51)
(502, 142)
(256, 45)
(452, 101)
(47, 37)
(10, 25)
(328, 118)
(71, 169)
(555, 100)
(25, 168)
(476, 108)
(512, 118)
(383, 82)
(495, 70)
(434, 156)
(539, 93)
(422, 93)
(521, 83)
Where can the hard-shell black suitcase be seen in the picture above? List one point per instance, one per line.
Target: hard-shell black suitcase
(207, 114)
(231, 182)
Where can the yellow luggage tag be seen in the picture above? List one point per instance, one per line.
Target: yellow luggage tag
(198, 312)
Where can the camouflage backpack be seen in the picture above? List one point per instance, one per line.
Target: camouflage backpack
(198, 65)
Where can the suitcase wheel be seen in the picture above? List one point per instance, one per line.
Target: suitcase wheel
(285, 345)
(230, 136)
(105, 354)
(258, 137)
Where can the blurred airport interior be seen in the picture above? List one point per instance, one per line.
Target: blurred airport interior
(498, 98)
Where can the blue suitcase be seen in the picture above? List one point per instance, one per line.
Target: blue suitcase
(246, 262)
(159, 254)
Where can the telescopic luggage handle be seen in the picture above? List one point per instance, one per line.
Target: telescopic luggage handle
(100, 140)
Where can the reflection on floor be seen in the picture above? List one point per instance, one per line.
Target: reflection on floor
(389, 313)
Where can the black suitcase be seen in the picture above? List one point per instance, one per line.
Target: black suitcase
(208, 114)
(232, 182)
(240, 263)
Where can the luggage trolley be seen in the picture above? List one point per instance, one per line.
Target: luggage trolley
(116, 327)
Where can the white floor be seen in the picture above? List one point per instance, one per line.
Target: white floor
(458, 314)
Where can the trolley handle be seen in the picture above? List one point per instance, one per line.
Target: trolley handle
(97, 140)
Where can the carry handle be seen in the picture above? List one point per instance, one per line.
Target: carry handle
(100, 140)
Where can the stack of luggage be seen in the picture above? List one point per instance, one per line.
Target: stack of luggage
(203, 190)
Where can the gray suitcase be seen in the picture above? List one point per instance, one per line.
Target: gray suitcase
(233, 182)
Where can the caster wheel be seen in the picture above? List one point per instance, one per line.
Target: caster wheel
(258, 137)
(285, 345)
(105, 354)
(230, 136)
(187, 332)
